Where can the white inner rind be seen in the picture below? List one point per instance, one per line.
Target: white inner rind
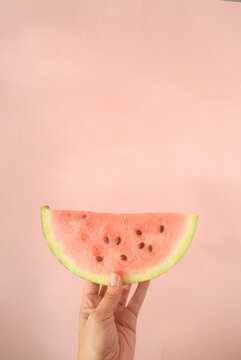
(173, 258)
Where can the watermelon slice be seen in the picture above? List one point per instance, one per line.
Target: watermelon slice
(137, 246)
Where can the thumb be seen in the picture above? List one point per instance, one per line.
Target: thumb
(111, 297)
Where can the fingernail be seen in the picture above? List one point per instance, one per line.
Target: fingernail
(113, 279)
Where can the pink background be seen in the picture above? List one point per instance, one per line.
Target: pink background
(121, 106)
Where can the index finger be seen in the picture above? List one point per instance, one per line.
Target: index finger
(138, 297)
(90, 288)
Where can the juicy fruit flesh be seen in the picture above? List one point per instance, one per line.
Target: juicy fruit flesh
(83, 239)
(137, 246)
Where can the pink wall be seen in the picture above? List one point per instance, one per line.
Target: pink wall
(121, 106)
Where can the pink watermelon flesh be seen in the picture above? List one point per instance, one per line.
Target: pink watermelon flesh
(137, 246)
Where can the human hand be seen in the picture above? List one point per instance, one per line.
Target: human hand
(107, 327)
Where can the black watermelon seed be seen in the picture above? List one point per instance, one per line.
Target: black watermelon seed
(107, 240)
(99, 258)
(161, 228)
(84, 216)
(150, 248)
(141, 245)
(138, 232)
(118, 240)
(123, 257)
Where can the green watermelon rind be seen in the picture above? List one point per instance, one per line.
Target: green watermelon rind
(174, 257)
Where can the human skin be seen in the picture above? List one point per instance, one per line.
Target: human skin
(107, 325)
